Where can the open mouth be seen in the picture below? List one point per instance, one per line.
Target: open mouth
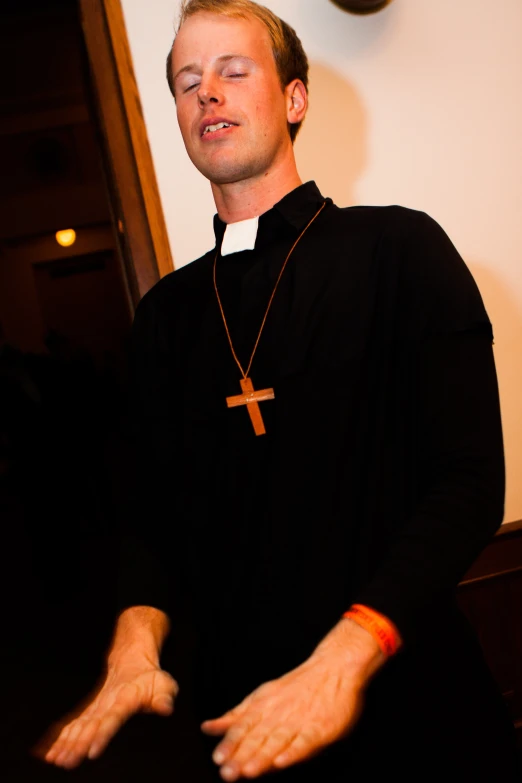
(210, 129)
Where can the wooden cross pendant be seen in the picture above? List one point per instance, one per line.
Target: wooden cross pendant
(251, 398)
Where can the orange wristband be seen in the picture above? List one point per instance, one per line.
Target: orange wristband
(382, 630)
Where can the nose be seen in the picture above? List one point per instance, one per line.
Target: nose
(209, 92)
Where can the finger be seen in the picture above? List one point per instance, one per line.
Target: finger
(262, 757)
(76, 749)
(218, 725)
(92, 708)
(92, 735)
(71, 743)
(110, 724)
(60, 742)
(253, 756)
(54, 751)
(63, 738)
(65, 742)
(43, 744)
(234, 737)
(305, 744)
(55, 739)
(75, 729)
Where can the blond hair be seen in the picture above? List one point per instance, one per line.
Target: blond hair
(289, 55)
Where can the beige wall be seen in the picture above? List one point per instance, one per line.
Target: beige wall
(417, 105)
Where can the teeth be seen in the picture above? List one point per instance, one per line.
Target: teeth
(212, 128)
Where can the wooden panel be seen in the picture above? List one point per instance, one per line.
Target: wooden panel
(491, 598)
(503, 555)
(138, 132)
(131, 175)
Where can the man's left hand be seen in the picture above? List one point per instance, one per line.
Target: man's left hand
(292, 718)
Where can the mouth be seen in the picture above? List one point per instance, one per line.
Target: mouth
(209, 129)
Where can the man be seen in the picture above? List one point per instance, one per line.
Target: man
(316, 412)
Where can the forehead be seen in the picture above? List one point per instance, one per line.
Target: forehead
(206, 36)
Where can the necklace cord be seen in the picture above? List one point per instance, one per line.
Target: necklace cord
(243, 373)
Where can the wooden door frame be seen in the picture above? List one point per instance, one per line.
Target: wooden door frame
(138, 213)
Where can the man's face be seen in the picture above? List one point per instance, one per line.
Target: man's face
(225, 72)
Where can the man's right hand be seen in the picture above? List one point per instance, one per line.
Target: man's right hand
(129, 688)
(135, 682)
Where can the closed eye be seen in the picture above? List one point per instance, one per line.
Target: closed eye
(191, 87)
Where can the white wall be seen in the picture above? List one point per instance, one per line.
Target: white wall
(418, 105)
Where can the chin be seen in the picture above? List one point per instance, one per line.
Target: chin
(230, 167)
(229, 172)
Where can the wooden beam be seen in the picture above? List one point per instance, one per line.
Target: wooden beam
(135, 196)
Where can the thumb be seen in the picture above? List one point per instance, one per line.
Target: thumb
(232, 714)
(162, 704)
(165, 693)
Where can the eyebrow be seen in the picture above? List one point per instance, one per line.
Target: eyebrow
(223, 59)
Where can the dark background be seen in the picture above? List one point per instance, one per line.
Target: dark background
(65, 315)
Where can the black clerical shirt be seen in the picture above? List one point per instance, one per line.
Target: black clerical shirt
(380, 477)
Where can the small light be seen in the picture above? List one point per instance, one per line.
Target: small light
(66, 238)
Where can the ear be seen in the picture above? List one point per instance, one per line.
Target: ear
(296, 101)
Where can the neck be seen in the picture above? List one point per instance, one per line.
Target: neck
(249, 198)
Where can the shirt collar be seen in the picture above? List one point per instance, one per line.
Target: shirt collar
(289, 215)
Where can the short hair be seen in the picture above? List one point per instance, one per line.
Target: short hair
(290, 58)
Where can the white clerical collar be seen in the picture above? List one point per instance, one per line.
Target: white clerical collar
(240, 236)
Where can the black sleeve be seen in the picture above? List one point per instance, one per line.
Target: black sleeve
(459, 450)
(146, 539)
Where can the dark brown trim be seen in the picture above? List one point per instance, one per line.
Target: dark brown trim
(138, 211)
(510, 527)
(502, 556)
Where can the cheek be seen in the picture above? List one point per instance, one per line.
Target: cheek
(265, 116)
(183, 121)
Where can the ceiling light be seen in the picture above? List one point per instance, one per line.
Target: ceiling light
(66, 238)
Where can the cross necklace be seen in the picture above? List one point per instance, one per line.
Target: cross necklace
(250, 397)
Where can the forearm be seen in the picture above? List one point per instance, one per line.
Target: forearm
(147, 536)
(460, 465)
(140, 632)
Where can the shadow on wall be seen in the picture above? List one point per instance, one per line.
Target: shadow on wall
(506, 317)
(337, 118)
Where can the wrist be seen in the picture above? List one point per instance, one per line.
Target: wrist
(138, 636)
(136, 655)
(377, 625)
(358, 653)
